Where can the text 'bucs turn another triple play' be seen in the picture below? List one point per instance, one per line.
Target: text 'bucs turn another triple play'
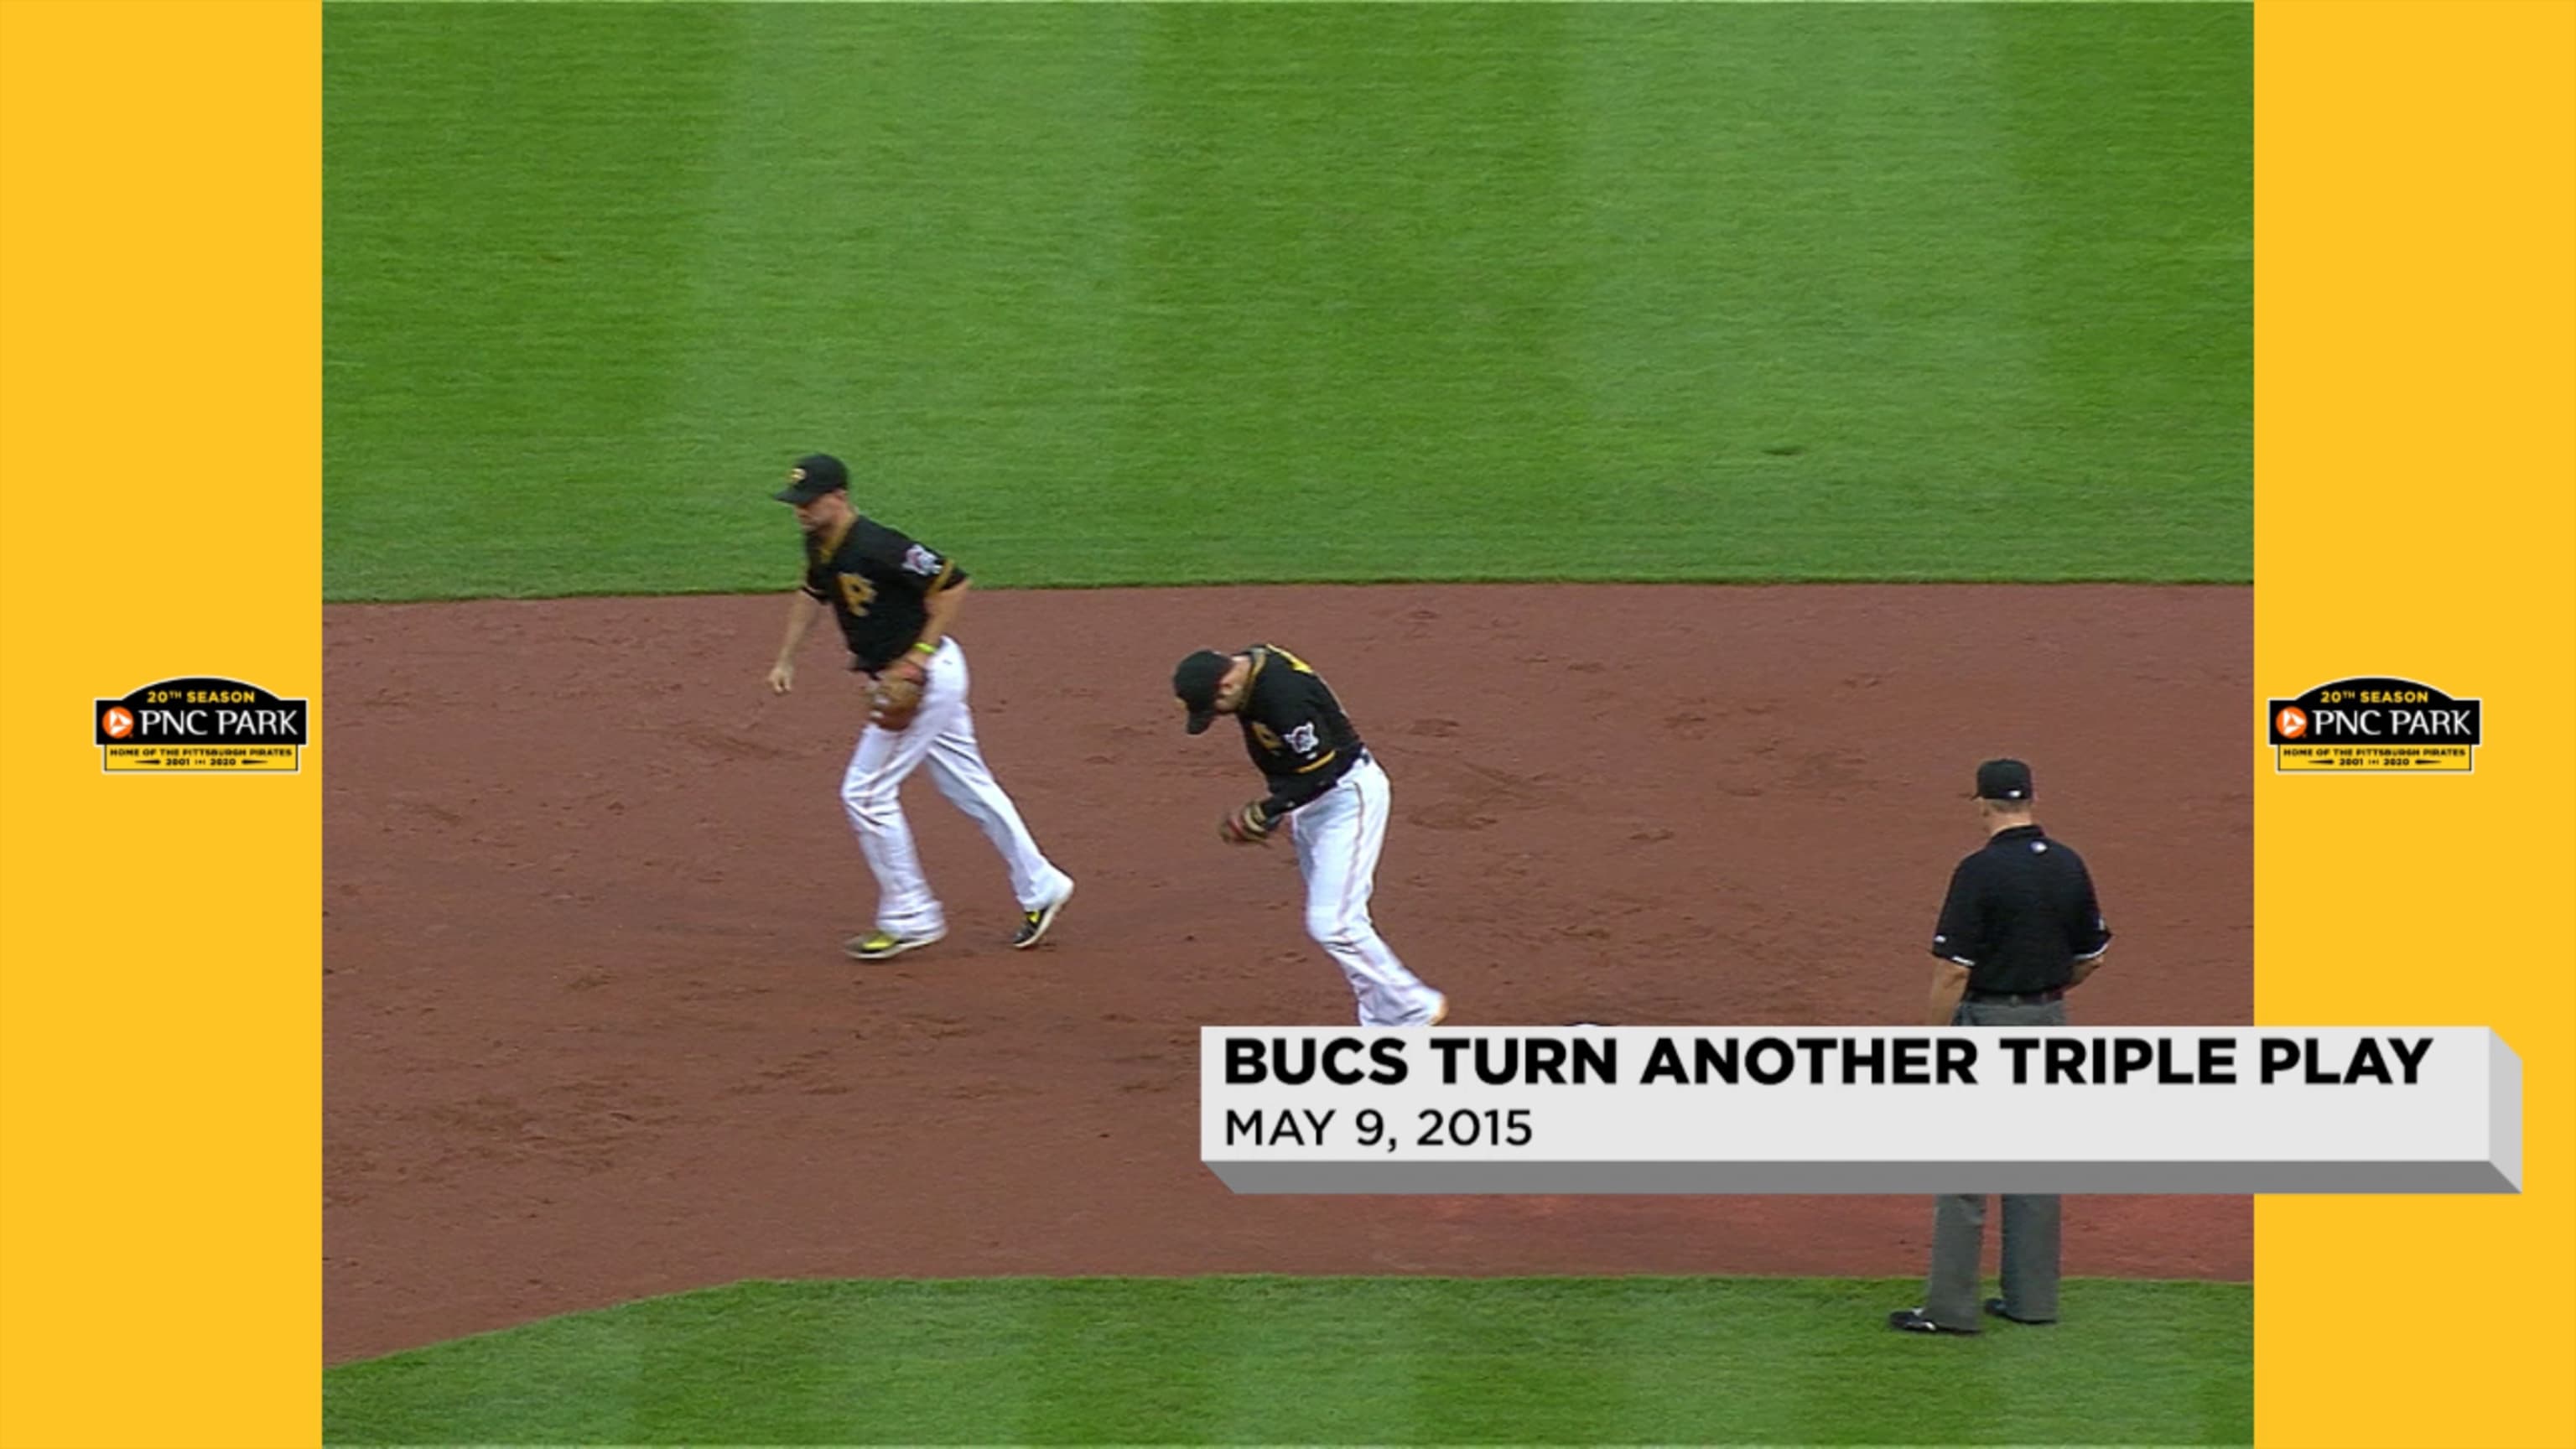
(1874, 1059)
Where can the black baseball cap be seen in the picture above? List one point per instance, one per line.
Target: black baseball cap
(813, 476)
(1195, 681)
(2003, 780)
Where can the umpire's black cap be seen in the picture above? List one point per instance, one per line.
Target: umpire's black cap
(1195, 681)
(813, 476)
(2003, 780)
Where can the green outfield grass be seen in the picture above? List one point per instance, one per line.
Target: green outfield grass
(1330, 1360)
(1128, 294)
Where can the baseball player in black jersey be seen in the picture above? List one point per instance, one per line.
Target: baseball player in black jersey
(897, 599)
(1333, 797)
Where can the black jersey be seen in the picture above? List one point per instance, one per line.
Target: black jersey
(2021, 912)
(878, 582)
(1296, 731)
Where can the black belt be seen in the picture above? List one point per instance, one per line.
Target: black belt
(2019, 998)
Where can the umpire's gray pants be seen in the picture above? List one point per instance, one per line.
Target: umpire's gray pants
(2030, 1220)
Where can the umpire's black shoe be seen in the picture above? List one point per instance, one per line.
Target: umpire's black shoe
(1995, 1309)
(1911, 1320)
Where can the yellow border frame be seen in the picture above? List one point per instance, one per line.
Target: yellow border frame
(160, 1011)
(160, 250)
(2415, 515)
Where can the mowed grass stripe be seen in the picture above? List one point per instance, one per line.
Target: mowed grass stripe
(962, 202)
(506, 215)
(1104, 294)
(1386, 1360)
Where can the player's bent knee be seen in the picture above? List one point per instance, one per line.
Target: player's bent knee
(1334, 933)
(870, 802)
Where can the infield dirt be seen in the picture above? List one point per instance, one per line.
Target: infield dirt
(590, 1036)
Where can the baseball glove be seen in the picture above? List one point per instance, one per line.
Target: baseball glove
(1250, 825)
(894, 701)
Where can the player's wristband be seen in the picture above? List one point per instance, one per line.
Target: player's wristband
(925, 646)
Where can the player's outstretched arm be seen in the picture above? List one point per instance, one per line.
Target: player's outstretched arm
(802, 609)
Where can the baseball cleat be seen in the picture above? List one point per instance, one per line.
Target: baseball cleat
(1913, 1320)
(1034, 924)
(1995, 1309)
(1439, 1013)
(879, 945)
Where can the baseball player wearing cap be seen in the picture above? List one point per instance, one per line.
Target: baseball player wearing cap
(1333, 796)
(897, 599)
(2019, 929)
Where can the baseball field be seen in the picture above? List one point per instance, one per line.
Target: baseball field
(1688, 437)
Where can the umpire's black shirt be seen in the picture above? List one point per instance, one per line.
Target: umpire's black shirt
(2021, 913)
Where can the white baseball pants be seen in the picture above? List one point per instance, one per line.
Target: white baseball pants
(1339, 834)
(942, 736)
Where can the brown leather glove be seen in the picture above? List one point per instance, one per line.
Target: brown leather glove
(894, 701)
(1247, 826)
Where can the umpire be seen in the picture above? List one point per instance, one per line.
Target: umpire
(2021, 926)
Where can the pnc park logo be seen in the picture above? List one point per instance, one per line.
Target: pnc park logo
(2378, 725)
(201, 725)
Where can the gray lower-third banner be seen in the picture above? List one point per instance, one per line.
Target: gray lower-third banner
(1860, 1110)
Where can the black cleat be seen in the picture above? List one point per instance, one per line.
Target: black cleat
(1911, 1320)
(1034, 924)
